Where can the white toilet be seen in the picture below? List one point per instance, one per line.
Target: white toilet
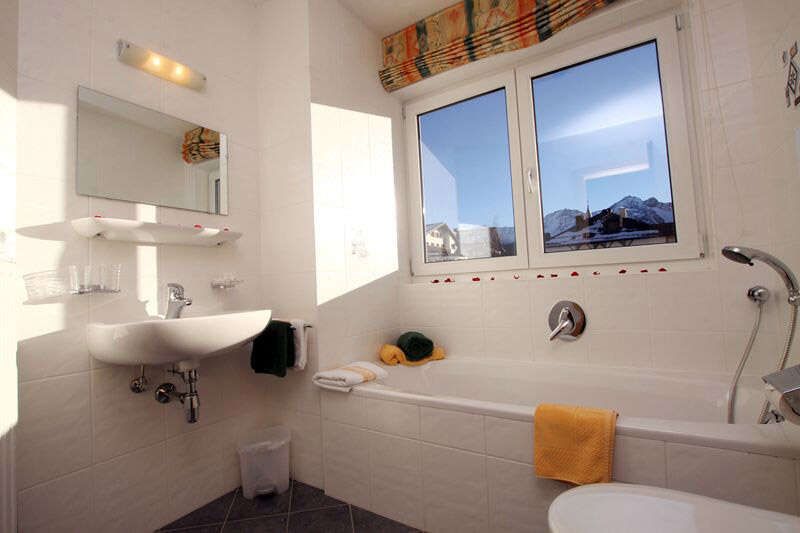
(621, 508)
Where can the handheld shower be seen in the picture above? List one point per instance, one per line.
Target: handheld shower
(746, 256)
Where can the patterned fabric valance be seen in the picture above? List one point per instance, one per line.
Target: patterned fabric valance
(200, 144)
(471, 30)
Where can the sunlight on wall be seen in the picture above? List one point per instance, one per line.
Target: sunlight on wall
(8, 349)
(8, 148)
(355, 218)
(8, 287)
(147, 265)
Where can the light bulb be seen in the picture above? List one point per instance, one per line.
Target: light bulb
(179, 70)
(156, 61)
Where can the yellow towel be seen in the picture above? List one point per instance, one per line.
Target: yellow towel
(574, 444)
(392, 355)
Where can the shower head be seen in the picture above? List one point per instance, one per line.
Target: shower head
(741, 254)
(734, 253)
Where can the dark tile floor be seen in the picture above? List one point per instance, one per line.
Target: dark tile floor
(301, 509)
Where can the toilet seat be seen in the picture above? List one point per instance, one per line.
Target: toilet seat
(622, 508)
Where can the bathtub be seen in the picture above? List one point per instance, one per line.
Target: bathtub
(450, 444)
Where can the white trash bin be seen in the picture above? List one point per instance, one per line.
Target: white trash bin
(264, 459)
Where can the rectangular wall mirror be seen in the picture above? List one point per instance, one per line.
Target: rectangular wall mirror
(132, 153)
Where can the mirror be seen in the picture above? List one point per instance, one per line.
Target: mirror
(132, 153)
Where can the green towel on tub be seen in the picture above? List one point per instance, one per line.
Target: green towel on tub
(415, 345)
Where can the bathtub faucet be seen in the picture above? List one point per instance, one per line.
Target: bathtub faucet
(567, 321)
(787, 383)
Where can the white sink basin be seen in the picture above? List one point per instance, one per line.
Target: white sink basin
(185, 340)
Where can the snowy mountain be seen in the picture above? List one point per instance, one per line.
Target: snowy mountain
(649, 211)
(560, 221)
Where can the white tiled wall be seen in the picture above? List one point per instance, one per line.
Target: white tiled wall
(91, 456)
(316, 52)
(287, 215)
(345, 55)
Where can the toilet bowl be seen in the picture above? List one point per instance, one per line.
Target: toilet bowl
(620, 508)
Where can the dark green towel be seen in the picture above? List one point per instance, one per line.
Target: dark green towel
(415, 345)
(273, 349)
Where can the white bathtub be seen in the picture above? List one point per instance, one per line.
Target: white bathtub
(451, 446)
(511, 387)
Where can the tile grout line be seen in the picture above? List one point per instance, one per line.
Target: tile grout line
(352, 522)
(289, 510)
(228, 513)
(188, 528)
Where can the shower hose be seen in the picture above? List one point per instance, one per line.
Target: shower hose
(763, 416)
(742, 362)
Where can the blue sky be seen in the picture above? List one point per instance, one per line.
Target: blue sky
(466, 172)
(600, 134)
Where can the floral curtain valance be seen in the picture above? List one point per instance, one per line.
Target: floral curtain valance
(200, 144)
(471, 30)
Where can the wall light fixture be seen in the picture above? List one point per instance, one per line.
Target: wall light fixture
(159, 65)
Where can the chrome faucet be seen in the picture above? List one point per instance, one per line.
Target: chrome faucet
(787, 383)
(567, 321)
(177, 300)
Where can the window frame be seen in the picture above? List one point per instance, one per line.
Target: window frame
(664, 33)
(504, 80)
(526, 189)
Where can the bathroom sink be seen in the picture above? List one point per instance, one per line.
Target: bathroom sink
(177, 340)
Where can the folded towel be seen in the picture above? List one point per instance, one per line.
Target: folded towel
(300, 344)
(273, 349)
(415, 345)
(574, 444)
(392, 355)
(344, 378)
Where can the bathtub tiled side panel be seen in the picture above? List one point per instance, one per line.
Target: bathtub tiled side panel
(347, 468)
(746, 478)
(509, 439)
(394, 418)
(396, 479)
(641, 461)
(306, 451)
(454, 429)
(518, 500)
(455, 491)
(433, 483)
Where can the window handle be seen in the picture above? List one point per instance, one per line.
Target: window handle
(529, 175)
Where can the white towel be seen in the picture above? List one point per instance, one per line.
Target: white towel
(344, 378)
(300, 344)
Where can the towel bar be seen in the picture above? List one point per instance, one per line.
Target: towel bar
(305, 326)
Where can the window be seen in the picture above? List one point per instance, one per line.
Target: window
(466, 180)
(603, 143)
(603, 165)
(468, 185)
